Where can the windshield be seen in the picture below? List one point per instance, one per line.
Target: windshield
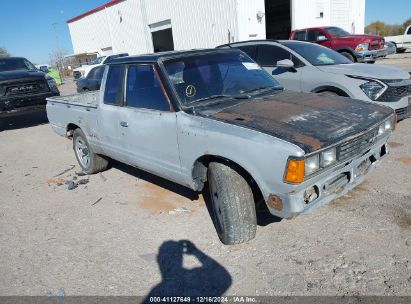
(316, 54)
(98, 60)
(199, 79)
(337, 32)
(15, 64)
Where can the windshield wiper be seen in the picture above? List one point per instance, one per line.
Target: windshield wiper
(262, 89)
(218, 97)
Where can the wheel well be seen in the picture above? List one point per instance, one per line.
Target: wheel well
(70, 129)
(199, 173)
(348, 51)
(331, 89)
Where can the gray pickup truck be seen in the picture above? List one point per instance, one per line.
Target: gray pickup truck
(214, 119)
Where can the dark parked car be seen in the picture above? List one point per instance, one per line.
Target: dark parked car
(23, 88)
(92, 81)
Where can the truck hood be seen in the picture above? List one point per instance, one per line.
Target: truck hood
(366, 70)
(308, 120)
(17, 75)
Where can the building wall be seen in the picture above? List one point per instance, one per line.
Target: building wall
(249, 26)
(90, 33)
(125, 27)
(347, 14)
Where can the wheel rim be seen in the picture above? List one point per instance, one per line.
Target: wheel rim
(82, 152)
(216, 202)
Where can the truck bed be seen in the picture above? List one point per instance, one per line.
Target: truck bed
(85, 99)
(79, 109)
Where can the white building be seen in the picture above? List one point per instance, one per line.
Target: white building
(145, 26)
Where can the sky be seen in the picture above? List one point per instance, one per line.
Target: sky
(27, 26)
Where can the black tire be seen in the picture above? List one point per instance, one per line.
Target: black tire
(232, 204)
(348, 56)
(400, 51)
(329, 93)
(95, 163)
(371, 62)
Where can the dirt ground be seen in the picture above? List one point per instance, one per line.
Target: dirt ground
(126, 232)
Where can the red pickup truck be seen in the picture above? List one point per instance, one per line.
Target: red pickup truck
(357, 48)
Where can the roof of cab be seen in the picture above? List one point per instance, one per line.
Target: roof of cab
(150, 58)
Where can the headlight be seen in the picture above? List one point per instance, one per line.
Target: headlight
(381, 129)
(328, 157)
(312, 164)
(372, 89)
(388, 125)
(362, 47)
(51, 82)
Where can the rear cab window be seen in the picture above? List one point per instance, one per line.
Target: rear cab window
(114, 83)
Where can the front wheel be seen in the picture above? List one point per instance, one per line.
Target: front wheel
(89, 161)
(232, 204)
(348, 56)
(329, 93)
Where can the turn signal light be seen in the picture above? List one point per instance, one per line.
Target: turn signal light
(295, 171)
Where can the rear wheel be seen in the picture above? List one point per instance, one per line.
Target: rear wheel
(348, 56)
(89, 161)
(232, 204)
(400, 51)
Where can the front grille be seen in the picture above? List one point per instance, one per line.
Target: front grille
(32, 87)
(395, 93)
(403, 113)
(357, 145)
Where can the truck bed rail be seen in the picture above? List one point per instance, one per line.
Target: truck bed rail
(89, 99)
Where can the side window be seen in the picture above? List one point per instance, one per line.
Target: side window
(99, 72)
(268, 55)
(409, 31)
(144, 89)
(113, 89)
(92, 74)
(250, 50)
(300, 35)
(312, 35)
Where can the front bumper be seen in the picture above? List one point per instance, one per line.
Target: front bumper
(370, 56)
(20, 105)
(331, 184)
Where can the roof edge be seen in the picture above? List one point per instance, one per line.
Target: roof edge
(94, 10)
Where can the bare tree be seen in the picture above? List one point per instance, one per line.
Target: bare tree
(57, 60)
(3, 52)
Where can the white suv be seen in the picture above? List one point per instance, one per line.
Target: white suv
(308, 67)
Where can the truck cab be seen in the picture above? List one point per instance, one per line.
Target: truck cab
(357, 48)
(401, 42)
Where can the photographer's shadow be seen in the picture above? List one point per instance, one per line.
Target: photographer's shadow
(209, 279)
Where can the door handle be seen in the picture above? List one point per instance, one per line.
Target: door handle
(124, 124)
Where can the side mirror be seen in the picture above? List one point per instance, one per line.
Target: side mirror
(321, 39)
(286, 63)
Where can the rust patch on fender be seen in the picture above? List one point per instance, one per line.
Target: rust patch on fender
(405, 160)
(275, 202)
(232, 116)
